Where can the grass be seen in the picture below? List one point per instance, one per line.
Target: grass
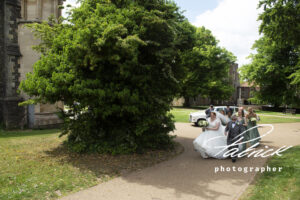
(182, 115)
(34, 165)
(274, 120)
(283, 185)
(276, 113)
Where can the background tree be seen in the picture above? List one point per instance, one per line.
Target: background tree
(271, 69)
(207, 68)
(281, 20)
(117, 66)
(275, 67)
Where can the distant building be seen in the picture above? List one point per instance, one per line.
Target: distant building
(245, 92)
(17, 59)
(235, 82)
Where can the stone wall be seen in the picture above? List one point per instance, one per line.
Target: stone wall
(17, 59)
(36, 11)
(12, 115)
(2, 62)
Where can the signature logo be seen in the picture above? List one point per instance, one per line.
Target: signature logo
(250, 151)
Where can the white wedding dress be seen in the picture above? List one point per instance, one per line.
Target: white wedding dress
(211, 143)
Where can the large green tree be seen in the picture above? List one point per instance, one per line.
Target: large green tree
(270, 69)
(207, 68)
(281, 22)
(117, 66)
(275, 68)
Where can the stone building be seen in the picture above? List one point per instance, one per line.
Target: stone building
(235, 82)
(17, 59)
(246, 91)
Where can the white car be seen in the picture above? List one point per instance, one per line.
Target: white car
(200, 115)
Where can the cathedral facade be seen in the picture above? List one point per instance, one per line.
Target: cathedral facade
(17, 59)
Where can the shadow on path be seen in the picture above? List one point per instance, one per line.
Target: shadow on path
(186, 176)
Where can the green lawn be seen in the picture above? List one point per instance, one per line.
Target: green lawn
(182, 115)
(273, 120)
(28, 171)
(34, 165)
(276, 113)
(283, 185)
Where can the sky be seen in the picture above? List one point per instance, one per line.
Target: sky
(233, 22)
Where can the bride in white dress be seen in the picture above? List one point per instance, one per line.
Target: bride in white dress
(212, 141)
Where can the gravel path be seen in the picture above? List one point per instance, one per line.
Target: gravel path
(188, 176)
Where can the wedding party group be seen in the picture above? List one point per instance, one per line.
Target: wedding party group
(225, 131)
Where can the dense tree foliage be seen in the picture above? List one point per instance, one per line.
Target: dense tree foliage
(281, 20)
(207, 68)
(270, 69)
(275, 68)
(116, 65)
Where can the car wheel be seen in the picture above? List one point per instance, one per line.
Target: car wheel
(198, 122)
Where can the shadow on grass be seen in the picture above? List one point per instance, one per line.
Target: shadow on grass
(105, 165)
(26, 133)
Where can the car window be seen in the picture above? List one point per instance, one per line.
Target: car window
(236, 109)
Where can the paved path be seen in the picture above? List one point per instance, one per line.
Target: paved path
(188, 176)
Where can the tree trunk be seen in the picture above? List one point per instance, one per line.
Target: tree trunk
(186, 102)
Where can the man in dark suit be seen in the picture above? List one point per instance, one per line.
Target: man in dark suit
(233, 130)
(209, 110)
(228, 109)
